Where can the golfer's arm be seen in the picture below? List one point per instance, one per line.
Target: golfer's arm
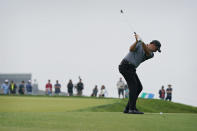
(132, 47)
(146, 49)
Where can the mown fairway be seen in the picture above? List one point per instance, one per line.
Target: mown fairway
(63, 113)
(47, 104)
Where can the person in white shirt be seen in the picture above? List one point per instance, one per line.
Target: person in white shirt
(120, 86)
(103, 91)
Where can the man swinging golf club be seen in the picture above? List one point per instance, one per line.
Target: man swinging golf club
(138, 53)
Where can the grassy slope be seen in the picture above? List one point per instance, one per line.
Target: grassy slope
(146, 105)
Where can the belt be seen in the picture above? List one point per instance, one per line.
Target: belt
(125, 62)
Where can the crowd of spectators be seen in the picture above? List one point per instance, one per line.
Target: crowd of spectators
(25, 88)
(12, 88)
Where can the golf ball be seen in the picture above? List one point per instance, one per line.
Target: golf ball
(161, 113)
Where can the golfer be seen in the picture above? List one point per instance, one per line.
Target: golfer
(138, 53)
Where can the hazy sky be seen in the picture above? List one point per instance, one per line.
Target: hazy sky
(62, 39)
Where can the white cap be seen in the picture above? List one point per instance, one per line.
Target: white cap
(29, 80)
(6, 80)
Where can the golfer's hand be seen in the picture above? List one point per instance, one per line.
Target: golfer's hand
(136, 36)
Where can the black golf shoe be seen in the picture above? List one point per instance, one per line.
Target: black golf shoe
(125, 111)
(135, 112)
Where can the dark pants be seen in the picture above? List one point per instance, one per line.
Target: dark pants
(121, 91)
(169, 97)
(13, 91)
(135, 87)
(57, 90)
(79, 92)
(70, 93)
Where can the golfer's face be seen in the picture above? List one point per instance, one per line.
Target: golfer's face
(154, 48)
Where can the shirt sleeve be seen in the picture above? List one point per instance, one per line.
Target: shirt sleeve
(138, 45)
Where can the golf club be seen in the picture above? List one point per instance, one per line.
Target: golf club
(123, 14)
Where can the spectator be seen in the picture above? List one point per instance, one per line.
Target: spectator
(169, 93)
(12, 87)
(95, 91)
(29, 87)
(102, 93)
(70, 88)
(49, 88)
(21, 90)
(5, 87)
(57, 88)
(120, 86)
(162, 93)
(80, 87)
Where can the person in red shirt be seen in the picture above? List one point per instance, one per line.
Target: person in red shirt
(162, 93)
(49, 88)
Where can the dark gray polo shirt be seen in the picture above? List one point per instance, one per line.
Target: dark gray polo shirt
(138, 56)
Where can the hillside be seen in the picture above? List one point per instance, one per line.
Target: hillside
(145, 105)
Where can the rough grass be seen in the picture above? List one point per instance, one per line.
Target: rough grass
(145, 105)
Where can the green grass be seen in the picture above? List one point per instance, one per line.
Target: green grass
(100, 121)
(47, 104)
(40, 113)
